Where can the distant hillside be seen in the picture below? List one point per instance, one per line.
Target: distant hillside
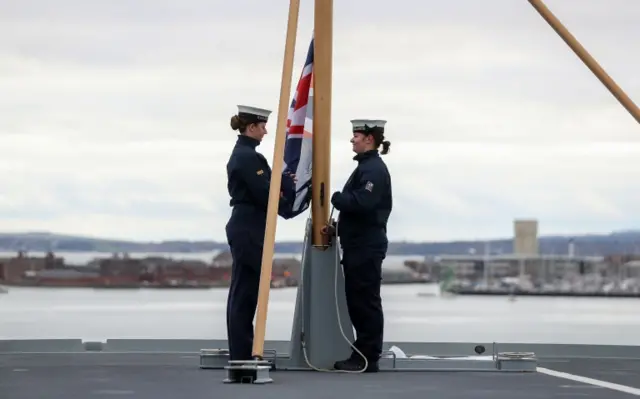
(593, 244)
(58, 242)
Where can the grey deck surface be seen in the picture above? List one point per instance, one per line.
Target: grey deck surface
(158, 376)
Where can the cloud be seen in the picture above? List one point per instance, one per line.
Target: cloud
(114, 117)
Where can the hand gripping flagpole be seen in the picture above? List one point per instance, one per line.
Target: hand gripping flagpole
(276, 179)
(588, 60)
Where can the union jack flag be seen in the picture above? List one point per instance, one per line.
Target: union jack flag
(298, 145)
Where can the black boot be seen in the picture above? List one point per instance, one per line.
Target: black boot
(356, 363)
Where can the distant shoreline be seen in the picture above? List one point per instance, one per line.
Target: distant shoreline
(627, 242)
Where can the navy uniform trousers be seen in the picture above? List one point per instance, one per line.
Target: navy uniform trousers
(246, 241)
(363, 276)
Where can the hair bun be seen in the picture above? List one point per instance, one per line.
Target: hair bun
(235, 122)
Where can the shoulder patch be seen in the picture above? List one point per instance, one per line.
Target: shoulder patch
(369, 186)
(260, 172)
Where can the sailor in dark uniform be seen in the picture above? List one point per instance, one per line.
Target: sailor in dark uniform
(249, 177)
(365, 204)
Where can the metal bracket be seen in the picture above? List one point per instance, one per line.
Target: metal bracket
(248, 372)
(213, 358)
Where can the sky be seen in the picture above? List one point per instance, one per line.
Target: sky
(114, 115)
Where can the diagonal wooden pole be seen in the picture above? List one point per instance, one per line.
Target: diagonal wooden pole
(588, 60)
(276, 180)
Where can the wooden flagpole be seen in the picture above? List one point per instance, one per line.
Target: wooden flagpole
(322, 70)
(276, 180)
(588, 60)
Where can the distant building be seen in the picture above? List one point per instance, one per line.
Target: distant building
(396, 271)
(16, 268)
(543, 267)
(287, 266)
(525, 240)
(223, 259)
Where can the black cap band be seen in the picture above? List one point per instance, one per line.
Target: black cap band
(366, 129)
(252, 118)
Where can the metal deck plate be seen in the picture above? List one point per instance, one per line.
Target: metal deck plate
(218, 359)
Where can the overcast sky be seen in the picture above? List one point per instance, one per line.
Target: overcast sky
(114, 115)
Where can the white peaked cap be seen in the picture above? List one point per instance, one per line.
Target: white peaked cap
(260, 112)
(360, 123)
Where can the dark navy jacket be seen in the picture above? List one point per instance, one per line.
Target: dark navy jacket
(365, 204)
(249, 177)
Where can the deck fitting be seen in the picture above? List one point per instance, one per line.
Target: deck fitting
(248, 372)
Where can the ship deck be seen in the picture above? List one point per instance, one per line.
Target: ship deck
(166, 375)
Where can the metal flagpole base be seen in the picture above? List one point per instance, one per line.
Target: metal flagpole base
(320, 317)
(248, 372)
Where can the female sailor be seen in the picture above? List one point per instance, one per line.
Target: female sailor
(249, 176)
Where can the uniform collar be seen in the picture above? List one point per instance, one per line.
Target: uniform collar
(247, 141)
(366, 155)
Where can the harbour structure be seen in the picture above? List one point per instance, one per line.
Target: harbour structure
(124, 271)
